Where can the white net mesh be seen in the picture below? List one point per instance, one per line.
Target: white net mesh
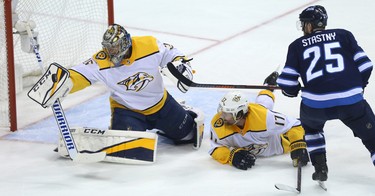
(70, 32)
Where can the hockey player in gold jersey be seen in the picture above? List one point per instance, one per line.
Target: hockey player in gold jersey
(130, 67)
(242, 131)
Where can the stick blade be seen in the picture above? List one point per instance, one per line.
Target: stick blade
(284, 187)
(322, 185)
(89, 157)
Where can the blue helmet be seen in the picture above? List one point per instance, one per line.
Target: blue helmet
(116, 43)
(316, 15)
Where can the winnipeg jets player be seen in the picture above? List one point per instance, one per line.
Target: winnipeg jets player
(334, 70)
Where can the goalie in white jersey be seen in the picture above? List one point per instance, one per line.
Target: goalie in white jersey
(241, 131)
(131, 69)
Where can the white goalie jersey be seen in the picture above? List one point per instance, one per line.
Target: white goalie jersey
(137, 84)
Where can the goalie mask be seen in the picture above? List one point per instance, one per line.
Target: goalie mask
(233, 107)
(116, 43)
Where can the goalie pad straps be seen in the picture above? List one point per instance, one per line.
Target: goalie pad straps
(129, 147)
(54, 84)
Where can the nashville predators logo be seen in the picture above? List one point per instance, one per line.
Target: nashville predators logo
(101, 55)
(137, 81)
(236, 98)
(219, 122)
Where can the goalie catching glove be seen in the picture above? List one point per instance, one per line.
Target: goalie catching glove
(54, 84)
(183, 66)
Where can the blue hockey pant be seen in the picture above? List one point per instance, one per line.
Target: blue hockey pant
(172, 119)
(359, 117)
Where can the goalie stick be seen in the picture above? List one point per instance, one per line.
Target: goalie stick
(62, 122)
(172, 69)
(299, 181)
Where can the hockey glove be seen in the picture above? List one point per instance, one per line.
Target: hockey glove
(299, 153)
(293, 93)
(271, 79)
(54, 84)
(241, 159)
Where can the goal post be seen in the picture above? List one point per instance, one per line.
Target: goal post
(69, 31)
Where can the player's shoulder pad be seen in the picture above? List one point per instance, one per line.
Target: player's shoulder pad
(218, 126)
(256, 120)
(102, 59)
(144, 46)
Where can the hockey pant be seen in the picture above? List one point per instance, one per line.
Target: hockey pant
(359, 117)
(172, 119)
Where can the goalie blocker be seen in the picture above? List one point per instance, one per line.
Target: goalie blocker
(54, 84)
(130, 147)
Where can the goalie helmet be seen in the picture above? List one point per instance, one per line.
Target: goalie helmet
(116, 43)
(316, 15)
(235, 104)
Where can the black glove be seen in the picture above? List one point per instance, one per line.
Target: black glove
(299, 153)
(271, 79)
(292, 93)
(242, 159)
(289, 94)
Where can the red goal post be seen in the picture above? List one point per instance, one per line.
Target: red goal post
(69, 31)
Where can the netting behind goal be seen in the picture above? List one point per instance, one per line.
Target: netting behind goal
(70, 31)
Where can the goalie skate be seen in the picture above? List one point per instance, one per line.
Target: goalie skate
(198, 116)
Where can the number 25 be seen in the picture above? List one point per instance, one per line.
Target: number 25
(315, 51)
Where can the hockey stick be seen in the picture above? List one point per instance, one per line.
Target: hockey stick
(299, 181)
(62, 122)
(172, 69)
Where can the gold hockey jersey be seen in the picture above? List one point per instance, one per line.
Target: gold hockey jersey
(265, 132)
(137, 84)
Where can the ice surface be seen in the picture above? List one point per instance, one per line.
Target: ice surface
(235, 42)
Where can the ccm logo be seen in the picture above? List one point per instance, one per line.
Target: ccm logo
(94, 131)
(41, 81)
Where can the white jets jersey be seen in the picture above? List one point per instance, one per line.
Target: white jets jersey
(265, 132)
(137, 84)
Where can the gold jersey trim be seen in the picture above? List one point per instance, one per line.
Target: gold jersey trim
(79, 81)
(151, 110)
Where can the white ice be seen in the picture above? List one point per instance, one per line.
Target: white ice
(234, 42)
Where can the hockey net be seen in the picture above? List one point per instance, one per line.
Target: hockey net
(69, 31)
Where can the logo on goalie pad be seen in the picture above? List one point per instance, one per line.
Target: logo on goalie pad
(94, 131)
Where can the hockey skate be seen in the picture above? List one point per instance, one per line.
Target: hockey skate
(198, 127)
(321, 169)
(321, 173)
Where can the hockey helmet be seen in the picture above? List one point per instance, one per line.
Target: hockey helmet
(116, 42)
(316, 15)
(235, 104)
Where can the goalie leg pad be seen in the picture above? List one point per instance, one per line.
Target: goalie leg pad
(129, 147)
